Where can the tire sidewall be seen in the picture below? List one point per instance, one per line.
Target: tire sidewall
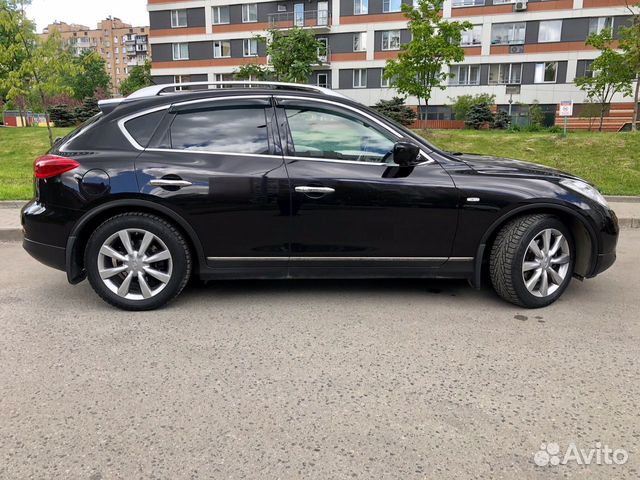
(175, 244)
(518, 282)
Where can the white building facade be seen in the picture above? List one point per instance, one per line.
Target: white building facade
(536, 47)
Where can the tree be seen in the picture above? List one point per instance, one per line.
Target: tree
(292, 56)
(630, 45)
(62, 116)
(87, 110)
(478, 116)
(40, 67)
(139, 77)
(396, 110)
(435, 42)
(463, 103)
(91, 75)
(611, 73)
(253, 71)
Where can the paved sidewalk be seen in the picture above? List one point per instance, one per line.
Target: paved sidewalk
(627, 209)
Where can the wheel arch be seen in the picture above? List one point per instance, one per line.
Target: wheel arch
(584, 237)
(77, 241)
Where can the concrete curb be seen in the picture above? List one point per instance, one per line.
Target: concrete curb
(12, 203)
(622, 199)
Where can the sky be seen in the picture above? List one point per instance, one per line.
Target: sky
(87, 12)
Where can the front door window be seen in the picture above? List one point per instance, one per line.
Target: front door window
(325, 134)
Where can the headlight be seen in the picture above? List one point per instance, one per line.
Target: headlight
(585, 189)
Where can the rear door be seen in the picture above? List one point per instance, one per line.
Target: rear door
(218, 163)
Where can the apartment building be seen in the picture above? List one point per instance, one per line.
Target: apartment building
(520, 51)
(120, 44)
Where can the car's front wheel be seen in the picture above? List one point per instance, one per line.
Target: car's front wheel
(532, 260)
(137, 261)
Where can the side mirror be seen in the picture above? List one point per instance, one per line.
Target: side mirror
(406, 153)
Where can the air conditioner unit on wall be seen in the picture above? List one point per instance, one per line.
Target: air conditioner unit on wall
(516, 48)
(520, 6)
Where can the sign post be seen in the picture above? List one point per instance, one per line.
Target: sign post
(566, 111)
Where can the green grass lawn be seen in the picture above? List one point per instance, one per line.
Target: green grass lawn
(19, 147)
(611, 161)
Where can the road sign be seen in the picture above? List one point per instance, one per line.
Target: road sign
(566, 108)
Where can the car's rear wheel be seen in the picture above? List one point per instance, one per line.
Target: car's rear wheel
(532, 260)
(137, 261)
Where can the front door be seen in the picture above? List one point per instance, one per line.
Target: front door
(219, 165)
(354, 211)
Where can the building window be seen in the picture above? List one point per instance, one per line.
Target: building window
(550, 31)
(322, 80)
(181, 51)
(220, 15)
(250, 47)
(597, 25)
(282, 7)
(384, 82)
(221, 49)
(505, 73)
(391, 6)
(360, 78)
(360, 42)
(464, 75)
(178, 18)
(468, 3)
(250, 13)
(115, 40)
(117, 50)
(360, 7)
(181, 79)
(507, 33)
(391, 40)
(473, 36)
(118, 71)
(546, 72)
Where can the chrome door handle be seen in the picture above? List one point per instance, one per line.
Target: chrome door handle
(162, 182)
(315, 190)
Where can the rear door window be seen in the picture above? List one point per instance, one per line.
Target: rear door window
(141, 128)
(221, 130)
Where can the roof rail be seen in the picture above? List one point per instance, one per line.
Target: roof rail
(155, 90)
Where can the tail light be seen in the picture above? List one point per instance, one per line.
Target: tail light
(49, 166)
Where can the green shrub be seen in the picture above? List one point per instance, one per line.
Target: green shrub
(463, 103)
(501, 120)
(62, 116)
(396, 110)
(478, 116)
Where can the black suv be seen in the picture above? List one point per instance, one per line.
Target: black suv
(293, 181)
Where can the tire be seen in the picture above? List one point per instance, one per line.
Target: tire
(518, 254)
(118, 270)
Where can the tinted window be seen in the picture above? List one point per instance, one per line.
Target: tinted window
(142, 128)
(326, 134)
(236, 130)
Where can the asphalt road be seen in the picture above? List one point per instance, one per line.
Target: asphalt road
(316, 379)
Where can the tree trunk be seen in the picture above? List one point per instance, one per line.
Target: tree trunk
(636, 99)
(603, 108)
(426, 114)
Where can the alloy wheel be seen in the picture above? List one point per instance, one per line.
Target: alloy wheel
(135, 264)
(546, 263)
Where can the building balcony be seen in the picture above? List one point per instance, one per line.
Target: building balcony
(312, 19)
